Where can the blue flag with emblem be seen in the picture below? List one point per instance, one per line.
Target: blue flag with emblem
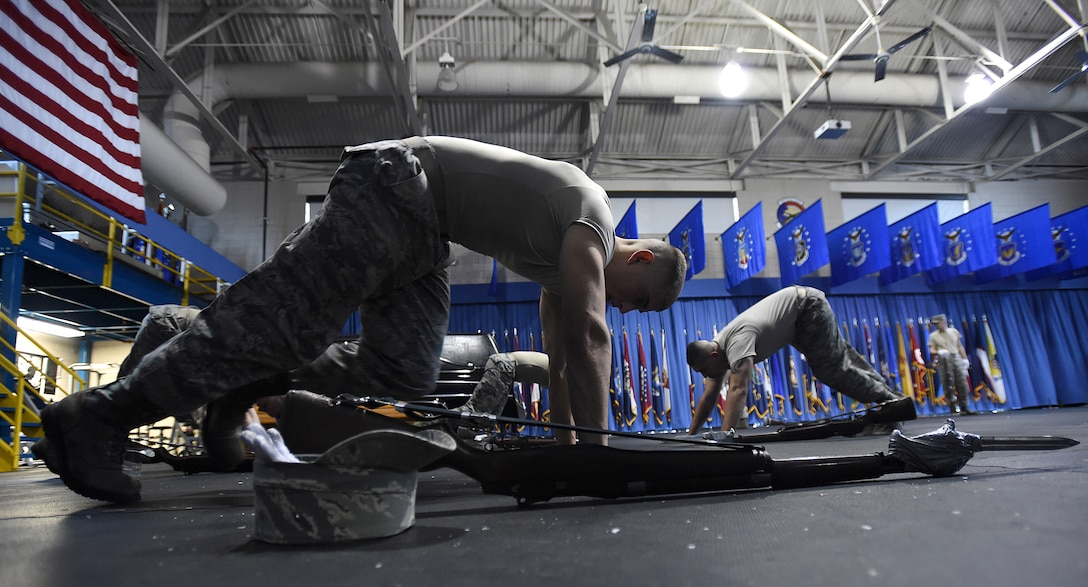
(1022, 243)
(688, 236)
(914, 245)
(802, 244)
(859, 247)
(744, 249)
(966, 245)
(627, 227)
(1069, 237)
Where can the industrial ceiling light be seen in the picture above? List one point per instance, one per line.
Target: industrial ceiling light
(48, 328)
(978, 89)
(733, 80)
(447, 80)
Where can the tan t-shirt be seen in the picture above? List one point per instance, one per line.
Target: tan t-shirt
(763, 329)
(949, 340)
(516, 207)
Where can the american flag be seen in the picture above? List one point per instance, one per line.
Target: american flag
(68, 104)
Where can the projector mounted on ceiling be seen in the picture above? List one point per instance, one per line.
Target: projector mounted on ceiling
(832, 129)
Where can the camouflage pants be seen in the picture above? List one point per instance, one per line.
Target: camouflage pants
(953, 381)
(374, 246)
(491, 393)
(159, 326)
(832, 360)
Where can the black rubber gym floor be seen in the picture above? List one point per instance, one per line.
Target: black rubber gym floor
(1007, 518)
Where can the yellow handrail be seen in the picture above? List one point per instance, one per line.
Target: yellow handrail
(17, 233)
(114, 233)
(10, 454)
(23, 390)
(37, 345)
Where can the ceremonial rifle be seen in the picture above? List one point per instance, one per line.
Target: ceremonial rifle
(849, 424)
(688, 465)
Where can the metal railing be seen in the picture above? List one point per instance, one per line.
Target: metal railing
(19, 398)
(36, 198)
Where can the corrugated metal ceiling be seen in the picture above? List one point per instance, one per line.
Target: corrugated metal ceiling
(711, 139)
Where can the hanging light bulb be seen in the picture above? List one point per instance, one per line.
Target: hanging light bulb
(733, 80)
(978, 89)
(447, 80)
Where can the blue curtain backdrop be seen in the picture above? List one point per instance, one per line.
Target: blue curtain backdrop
(1038, 336)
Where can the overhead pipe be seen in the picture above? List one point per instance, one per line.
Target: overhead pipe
(660, 81)
(520, 79)
(181, 120)
(580, 80)
(175, 172)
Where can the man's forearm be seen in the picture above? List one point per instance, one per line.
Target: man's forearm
(559, 398)
(712, 388)
(558, 390)
(587, 381)
(588, 403)
(736, 399)
(734, 406)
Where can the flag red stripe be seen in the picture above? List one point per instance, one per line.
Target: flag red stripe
(81, 57)
(54, 136)
(73, 124)
(72, 92)
(23, 151)
(35, 18)
(68, 101)
(116, 51)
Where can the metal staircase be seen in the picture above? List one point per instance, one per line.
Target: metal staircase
(65, 260)
(20, 401)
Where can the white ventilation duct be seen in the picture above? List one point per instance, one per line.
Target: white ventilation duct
(528, 79)
(662, 81)
(175, 172)
(262, 81)
(572, 80)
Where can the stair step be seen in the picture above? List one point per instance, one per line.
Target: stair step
(11, 410)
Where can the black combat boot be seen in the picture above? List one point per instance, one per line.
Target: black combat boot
(85, 437)
(225, 417)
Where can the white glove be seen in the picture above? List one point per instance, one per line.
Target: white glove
(966, 364)
(268, 444)
(720, 435)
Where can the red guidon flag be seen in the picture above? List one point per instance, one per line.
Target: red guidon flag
(68, 101)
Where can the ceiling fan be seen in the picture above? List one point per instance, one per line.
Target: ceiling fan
(881, 57)
(1082, 56)
(647, 46)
